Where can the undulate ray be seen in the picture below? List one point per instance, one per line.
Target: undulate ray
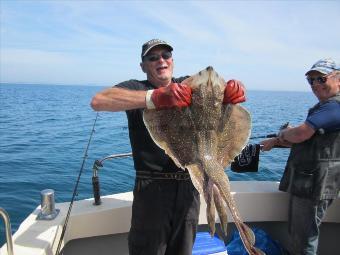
(204, 138)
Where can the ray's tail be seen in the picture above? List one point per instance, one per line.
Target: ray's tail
(216, 172)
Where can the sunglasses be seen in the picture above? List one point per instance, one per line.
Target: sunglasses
(155, 57)
(320, 79)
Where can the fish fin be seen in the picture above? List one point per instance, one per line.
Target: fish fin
(204, 186)
(197, 177)
(258, 251)
(221, 209)
(234, 132)
(249, 233)
(210, 211)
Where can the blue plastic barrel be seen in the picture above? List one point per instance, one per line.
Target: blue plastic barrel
(207, 245)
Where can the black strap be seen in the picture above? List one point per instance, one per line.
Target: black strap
(179, 176)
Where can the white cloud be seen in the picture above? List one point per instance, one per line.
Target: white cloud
(267, 44)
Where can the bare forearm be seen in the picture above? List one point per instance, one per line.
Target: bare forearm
(118, 99)
(297, 134)
(292, 135)
(282, 143)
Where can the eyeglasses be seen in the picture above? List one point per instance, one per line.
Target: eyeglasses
(320, 79)
(155, 57)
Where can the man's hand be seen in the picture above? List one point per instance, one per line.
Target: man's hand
(173, 95)
(268, 144)
(234, 92)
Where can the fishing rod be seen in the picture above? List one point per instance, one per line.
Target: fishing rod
(76, 188)
(264, 136)
(285, 125)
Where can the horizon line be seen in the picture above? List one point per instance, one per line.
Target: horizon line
(98, 85)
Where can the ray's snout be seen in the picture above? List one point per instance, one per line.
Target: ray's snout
(212, 75)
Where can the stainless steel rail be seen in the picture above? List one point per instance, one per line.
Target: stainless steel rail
(95, 178)
(122, 155)
(8, 230)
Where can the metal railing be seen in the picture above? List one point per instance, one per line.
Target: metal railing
(8, 231)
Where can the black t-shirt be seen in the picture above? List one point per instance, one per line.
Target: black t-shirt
(147, 156)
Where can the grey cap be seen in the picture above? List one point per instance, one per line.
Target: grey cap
(324, 66)
(153, 43)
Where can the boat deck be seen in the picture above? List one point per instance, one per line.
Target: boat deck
(117, 244)
(102, 229)
(98, 245)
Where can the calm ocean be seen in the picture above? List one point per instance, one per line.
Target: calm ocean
(44, 131)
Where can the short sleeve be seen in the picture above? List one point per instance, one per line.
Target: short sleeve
(326, 117)
(131, 84)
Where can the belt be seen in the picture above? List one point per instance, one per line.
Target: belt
(179, 176)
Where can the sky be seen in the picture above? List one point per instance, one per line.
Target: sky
(268, 45)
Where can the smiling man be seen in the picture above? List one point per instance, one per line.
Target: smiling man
(166, 204)
(312, 173)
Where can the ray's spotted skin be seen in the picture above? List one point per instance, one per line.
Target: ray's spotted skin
(204, 138)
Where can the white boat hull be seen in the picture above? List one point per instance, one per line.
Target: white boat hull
(258, 202)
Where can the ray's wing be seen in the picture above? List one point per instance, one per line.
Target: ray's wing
(233, 133)
(171, 130)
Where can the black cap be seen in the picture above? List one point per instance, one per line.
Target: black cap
(153, 43)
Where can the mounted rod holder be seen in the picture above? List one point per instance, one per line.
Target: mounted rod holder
(8, 230)
(95, 178)
(95, 182)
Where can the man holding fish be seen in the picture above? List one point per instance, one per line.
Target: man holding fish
(166, 204)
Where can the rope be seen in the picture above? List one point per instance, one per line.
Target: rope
(75, 188)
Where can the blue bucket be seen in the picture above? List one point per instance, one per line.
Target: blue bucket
(207, 245)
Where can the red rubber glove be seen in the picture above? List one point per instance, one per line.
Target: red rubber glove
(173, 95)
(234, 92)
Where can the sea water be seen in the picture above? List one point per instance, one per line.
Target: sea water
(44, 130)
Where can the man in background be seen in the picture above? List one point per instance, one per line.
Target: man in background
(312, 173)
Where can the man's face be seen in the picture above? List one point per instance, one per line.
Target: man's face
(324, 86)
(158, 69)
